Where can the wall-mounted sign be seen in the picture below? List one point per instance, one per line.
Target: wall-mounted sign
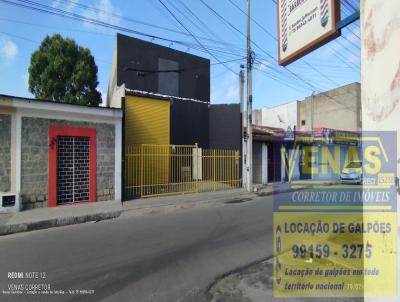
(289, 134)
(304, 25)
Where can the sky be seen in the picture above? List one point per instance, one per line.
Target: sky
(199, 31)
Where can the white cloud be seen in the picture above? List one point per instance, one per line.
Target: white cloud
(103, 11)
(226, 90)
(8, 50)
(56, 3)
(70, 7)
(64, 5)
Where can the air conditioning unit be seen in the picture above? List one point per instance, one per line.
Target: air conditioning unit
(9, 202)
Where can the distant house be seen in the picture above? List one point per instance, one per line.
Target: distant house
(330, 115)
(338, 108)
(54, 154)
(283, 116)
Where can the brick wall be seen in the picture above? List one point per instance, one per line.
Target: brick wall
(5, 152)
(34, 159)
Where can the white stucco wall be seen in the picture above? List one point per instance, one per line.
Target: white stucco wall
(114, 92)
(380, 70)
(281, 116)
(380, 77)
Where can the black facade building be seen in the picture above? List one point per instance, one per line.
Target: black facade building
(225, 126)
(154, 68)
(155, 72)
(189, 123)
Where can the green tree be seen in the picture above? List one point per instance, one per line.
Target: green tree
(61, 70)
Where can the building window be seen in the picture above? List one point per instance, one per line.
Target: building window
(168, 81)
(303, 122)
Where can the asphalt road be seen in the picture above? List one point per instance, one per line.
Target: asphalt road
(164, 257)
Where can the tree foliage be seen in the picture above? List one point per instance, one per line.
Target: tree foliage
(61, 70)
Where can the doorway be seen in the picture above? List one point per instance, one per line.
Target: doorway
(72, 165)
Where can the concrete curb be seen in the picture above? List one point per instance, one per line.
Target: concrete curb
(269, 193)
(13, 228)
(56, 222)
(288, 190)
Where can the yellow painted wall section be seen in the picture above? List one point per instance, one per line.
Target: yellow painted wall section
(147, 121)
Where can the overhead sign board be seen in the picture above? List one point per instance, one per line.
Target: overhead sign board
(304, 25)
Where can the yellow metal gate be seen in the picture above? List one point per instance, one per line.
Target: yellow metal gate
(155, 170)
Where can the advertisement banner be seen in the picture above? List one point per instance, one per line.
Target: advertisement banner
(336, 236)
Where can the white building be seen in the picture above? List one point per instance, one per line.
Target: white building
(282, 116)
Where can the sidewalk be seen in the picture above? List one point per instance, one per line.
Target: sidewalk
(44, 218)
(171, 203)
(284, 187)
(166, 204)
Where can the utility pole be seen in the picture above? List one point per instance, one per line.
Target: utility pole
(249, 168)
(242, 123)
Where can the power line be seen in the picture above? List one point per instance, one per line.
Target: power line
(348, 64)
(197, 40)
(19, 37)
(348, 49)
(180, 70)
(202, 25)
(353, 33)
(255, 21)
(76, 17)
(273, 37)
(255, 44)
(186, 17)
(312, 86)
(171, 20)
(350, 5)
(59, 12)
(38, 43)
(52, 27)
(278, 77)
(212, 33)
(132, 20)
(220, 50)
(351, 42)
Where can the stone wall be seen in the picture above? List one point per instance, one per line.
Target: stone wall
(5, 152)
(34, 159)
